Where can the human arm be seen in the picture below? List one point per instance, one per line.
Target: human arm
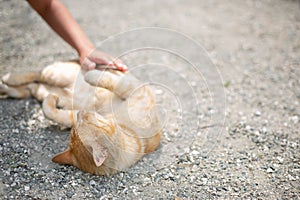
(61, 21)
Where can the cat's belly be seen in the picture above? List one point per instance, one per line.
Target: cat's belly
(89, 98)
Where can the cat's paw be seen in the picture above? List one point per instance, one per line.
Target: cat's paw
(3, 89)
(6, 79)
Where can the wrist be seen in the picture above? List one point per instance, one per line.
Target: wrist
(85, 51)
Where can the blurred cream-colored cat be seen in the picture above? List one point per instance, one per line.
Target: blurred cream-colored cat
(112, 115)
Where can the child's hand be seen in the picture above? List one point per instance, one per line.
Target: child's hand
(101, 58)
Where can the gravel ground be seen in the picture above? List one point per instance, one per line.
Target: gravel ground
(255, 46)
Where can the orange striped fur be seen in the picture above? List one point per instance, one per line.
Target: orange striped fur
(112, 114)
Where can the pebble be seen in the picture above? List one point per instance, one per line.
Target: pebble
(264, 129)
(257, 133)
(204, 181)
(194, 168)
(270, 170)
(257, 113)
(92, 183)
(291, 178)
(280, 159)
(195, 152)
(295, 119)
(146, 182)
(158, 92)
(26, 188)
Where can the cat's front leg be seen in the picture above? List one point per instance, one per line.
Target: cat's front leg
(20, 78)
(64, 117)
(122, 84)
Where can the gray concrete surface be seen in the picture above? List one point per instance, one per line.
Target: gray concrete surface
(255, 45)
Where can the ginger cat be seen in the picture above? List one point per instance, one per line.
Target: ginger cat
(112, 115)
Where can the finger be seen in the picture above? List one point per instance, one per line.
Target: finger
(100, 57)
(118, 66)
(121, 66)
(101, 66)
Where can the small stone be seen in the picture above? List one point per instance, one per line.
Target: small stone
(257, 113)
(257, 133)
(146, 182)
(270, 170)
(295, 119)
(250, 167)
(194, 168)
(69, 194)
(265, 122)
(191, 159)
(15, 130)
(236, 189)
(195, 152)
(158, 92)
(275, 167)
(147, 179)
(264, 129)
(104, 197)
(27, 188)
(204, 181)
(280, 159)
(74, 183)
(291, 178)
(192, 179)
(92, 183)
(171, 175)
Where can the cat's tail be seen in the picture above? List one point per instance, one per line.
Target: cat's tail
(122, 84)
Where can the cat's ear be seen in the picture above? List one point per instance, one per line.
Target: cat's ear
(99, 154)
(65, 157)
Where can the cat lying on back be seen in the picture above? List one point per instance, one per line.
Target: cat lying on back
(112, 115)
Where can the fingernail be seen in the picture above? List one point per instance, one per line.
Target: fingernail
(124, 67)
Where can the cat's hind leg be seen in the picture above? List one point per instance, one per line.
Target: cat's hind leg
(63, 117)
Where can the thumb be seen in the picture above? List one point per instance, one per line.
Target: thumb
(87, 64)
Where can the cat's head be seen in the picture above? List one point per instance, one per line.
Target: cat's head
(89, 143)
